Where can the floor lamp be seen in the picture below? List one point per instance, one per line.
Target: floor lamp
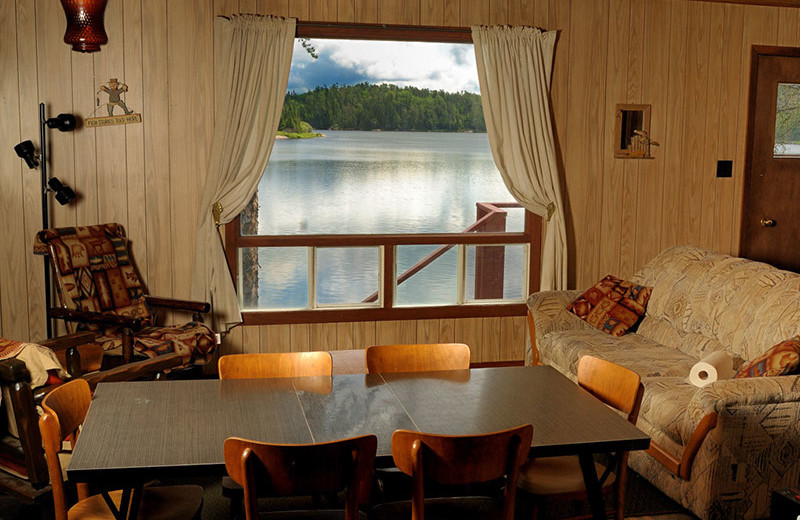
(63, 194)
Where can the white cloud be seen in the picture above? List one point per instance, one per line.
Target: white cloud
(437, 66)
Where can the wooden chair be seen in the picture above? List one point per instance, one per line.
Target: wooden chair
(457, 461)
(65, 409)
(417, 358)
(289, 364)
(269, 365)
(302, 469)
(560, 478)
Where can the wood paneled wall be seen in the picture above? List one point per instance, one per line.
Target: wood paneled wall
(689, 59)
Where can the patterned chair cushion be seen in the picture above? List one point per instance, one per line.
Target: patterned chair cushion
(781, 360)
(94, 270)
(612, 305)
(154, 341)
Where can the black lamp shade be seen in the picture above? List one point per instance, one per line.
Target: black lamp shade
(64, 194)
(26, 151)
(86, 31)
(64, 122)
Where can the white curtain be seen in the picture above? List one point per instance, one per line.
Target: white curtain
(514, 67)
(252, 59)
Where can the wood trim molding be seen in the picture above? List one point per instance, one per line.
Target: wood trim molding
(369, 31)
(382, 314)
(773, 3)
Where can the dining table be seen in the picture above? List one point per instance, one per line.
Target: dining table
(136, 432)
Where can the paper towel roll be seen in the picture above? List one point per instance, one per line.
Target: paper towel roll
(713, 367)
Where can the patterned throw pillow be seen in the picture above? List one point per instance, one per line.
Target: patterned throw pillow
(613, 305)
(781, 360)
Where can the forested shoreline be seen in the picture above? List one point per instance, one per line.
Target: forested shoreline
(383, 107)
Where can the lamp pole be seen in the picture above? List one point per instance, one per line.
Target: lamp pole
(45, 214)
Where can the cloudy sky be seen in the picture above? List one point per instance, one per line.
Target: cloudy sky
(436, 66)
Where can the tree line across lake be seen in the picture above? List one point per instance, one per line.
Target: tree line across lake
(382, 107)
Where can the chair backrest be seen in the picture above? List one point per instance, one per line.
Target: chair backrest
(458, 460)
(65, 409)
(417, 358)
(614, 385)
(94, 271)
(301, 469)
(261, 366)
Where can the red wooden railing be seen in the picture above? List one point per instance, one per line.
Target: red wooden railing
(489, 260)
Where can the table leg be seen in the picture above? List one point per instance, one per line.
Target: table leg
(593, 491)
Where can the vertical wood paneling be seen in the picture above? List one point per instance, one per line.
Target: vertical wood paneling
(28, 51)
(708, 166)
(631, 172)
(654, 91)
(491, 340)
(672, 145)
(83, 103)
(498, 12)
(278, 339)
(155, 122)
(470, 332)
(112, 181)
(300, 337)
(732, 82)
(520, 12)
(512, 338)
(344, 336)
(616, 75)
(694, 143)
(298, 9)
(428, 331)
(363, 334)
(322, 10)
(323, 336)
(13, 316)
(474, 12)
(366, 11)
(431, 12)
(190, 89)
(134, 133)
(585, 122)
(346, 11)
(452, 12)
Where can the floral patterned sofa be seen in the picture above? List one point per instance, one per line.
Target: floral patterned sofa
(717, 450)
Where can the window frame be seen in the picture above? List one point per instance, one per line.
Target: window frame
(531, 235)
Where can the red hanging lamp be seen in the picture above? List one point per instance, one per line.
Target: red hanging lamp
(85, 29)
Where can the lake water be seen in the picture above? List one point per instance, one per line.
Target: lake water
(376, 182)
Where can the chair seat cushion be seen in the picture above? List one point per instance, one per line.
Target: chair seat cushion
(556, 475)
(158, 503)
(192, 340)
(456, 508)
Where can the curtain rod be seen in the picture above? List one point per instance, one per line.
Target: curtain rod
(369, 31)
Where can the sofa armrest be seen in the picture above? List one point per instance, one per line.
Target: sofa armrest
(547, 312)
(730, 394)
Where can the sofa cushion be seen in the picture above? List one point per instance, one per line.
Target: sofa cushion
(563, 349)
(781, 360)
(612, 305)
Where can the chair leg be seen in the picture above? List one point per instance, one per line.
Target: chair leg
(127, 345)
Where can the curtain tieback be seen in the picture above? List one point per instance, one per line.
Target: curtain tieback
(216, 211)
(551, 208)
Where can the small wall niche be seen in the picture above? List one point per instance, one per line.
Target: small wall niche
(632, 135)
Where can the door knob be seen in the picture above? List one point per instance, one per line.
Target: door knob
(768, 222)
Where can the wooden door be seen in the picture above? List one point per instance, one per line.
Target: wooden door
(770, 228)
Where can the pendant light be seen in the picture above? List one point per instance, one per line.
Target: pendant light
(85, 29)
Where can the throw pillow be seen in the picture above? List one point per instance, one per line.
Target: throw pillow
(612, 305)
(781, 360)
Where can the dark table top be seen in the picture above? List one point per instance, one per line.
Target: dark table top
(137, 430)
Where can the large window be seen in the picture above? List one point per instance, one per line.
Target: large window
(397, 210)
